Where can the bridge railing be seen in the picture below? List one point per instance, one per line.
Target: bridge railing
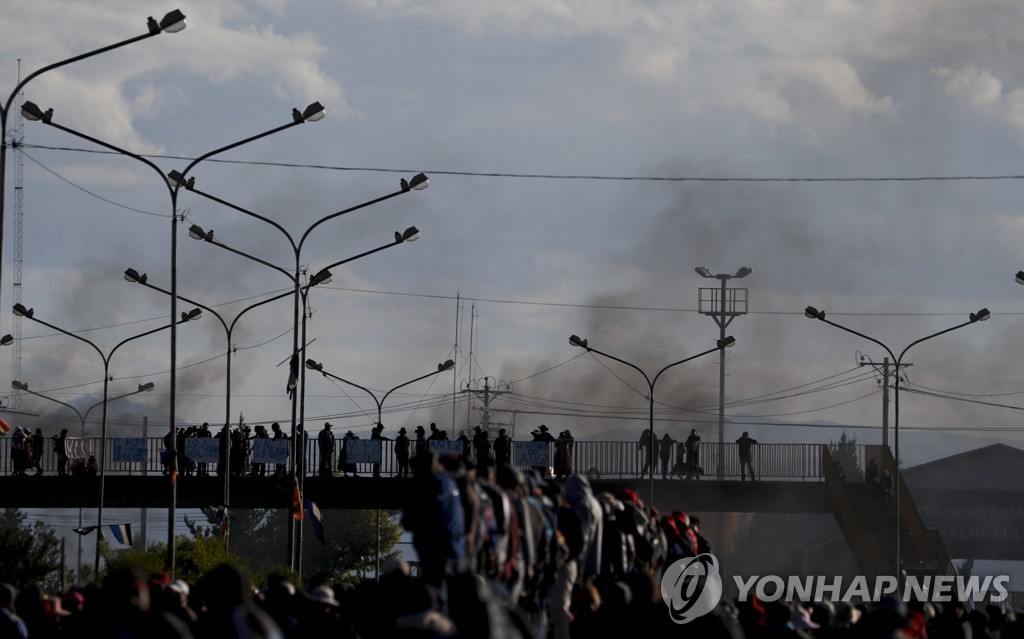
(607, 459)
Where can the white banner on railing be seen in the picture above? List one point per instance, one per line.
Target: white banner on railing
(269, 451)
(204, 450)
(362, 451)
(532, 454)
(78, 448)
(445, 446)
(129, 449)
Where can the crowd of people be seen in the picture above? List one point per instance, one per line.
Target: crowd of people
(501, 554)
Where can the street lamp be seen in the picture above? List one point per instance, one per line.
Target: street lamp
(82, 417)
(981, 316)
(322, 277)
(172, 22)
(173, 181)
(21, 311)
(720, 345)
(319, 367)
(724, 305)
(417, 183)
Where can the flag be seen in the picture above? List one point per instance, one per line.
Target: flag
(122, 533)
(5, 428)
(293, 375)
(84, 531)
(219, 517)
(296, 503)
(316, 519)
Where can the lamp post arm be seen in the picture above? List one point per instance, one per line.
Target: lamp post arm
(924, 339)
(870, 339)
(240, 209)
(109, 399)
(192, 302)
(70, 334)
(683, 361)
(356, 257)
(233, 145)
(56, 401)
(411, 381)
(140, 335)
(650, 384)
(343, 212)
(362, 388)
(277, 268)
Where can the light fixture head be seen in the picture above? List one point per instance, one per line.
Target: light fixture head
(191, 315)
(7, 340)
(175, 179)
(313, 113)
(981, 316)
(410, 234)
(173, 22)
(1020, 277)
(419, 182)
(743, 272)
(131, 275)
(576, 341)
(21, 311)
(447, 365)
(197, 232)
(16, 385)
(727, 342)
(703, 271)
(312, 365)
(814, 313)
(145, 388)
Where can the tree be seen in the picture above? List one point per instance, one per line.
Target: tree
(29, 554)
(845, 453)
(194, 557)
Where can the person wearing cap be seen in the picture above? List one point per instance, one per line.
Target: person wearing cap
(502, 449)
(402, 452)
(276, 434)
(60, 447)
(325, 442)
(421, 442)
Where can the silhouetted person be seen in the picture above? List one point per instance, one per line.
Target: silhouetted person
(378, 434)
(744, 444)
(325, 442)
(667, 445)
(60, 446)
(693, 455)
(402, 452)
(502, 449)
(645, 444)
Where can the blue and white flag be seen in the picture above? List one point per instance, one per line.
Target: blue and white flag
(316, 519)
(122, 533)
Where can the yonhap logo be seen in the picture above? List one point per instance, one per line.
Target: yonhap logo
(691, 587)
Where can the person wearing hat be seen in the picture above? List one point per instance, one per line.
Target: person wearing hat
(421, 442)
(482, 446)
(325, 442)
(545, 436)
(502, 449)
(402, 452)
(60, 447)
(277, 434)
(345, 465)
(378, 433)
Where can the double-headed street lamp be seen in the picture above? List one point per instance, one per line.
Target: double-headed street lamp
(319, 367)
(719, 346)
(21, 311)
(417, 183)
(172, 22)
(980, 316)
(322, 277)
(173, 181)
(82, 417)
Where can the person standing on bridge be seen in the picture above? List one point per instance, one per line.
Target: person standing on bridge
(402, 452)
(647, 438)
(745, 443)
(667, 445)
(325, 442)
(502, 449)
(693, 469)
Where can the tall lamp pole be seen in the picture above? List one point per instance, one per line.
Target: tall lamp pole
(173, 181)
(172, 22)
(319, 367)
(651, 381)
(723, 305)
(980, 316)
(417, 183)
(29, 313)
(82, 417)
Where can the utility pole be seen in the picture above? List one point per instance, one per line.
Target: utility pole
(487, 394)
(885, 390)
(723, 305)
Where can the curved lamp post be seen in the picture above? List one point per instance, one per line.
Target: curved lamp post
(173, 181)
(29, 313)
(980, 316)
(82, 417)
(418, 182)
(322, 277)
(442, 367)
(172, 22)
(719, 345)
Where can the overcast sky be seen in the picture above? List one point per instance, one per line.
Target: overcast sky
(793, 94)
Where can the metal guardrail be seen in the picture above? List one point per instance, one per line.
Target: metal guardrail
(606, 459)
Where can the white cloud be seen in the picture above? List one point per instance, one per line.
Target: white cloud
(976, 86)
